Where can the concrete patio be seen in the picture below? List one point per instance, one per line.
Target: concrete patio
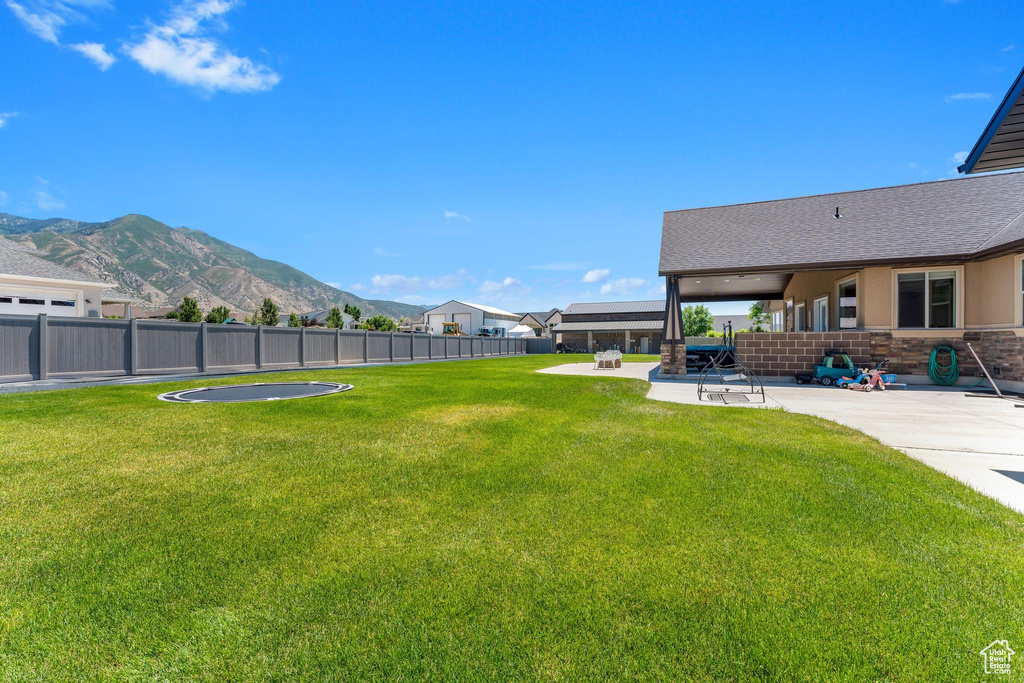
(979, 441)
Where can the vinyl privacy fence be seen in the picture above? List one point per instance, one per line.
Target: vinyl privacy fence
(40, 347)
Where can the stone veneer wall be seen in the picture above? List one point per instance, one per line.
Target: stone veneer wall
(673, 364)
(1002, 352)
(777, 354)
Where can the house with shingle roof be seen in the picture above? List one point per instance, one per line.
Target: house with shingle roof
(30, 285)
(542, 322)
(910, 266)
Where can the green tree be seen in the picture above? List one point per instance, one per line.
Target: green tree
(697, 321)
(293, 320)
(334, 319)
(267, 314)
(218, 314)
(190, 312)
(380, 322)
(759, 318)
(173, 315)
(353, 311)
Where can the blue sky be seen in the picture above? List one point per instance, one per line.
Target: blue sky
(519, 154)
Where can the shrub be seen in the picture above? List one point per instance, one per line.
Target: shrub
(334, 319)
(218, 314)
(267, 314)
(190, 312)
(293, 321)
(697, 321)
(381, 323)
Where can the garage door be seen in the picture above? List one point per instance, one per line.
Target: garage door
(435, 321)
(465, 320)
(33, 303)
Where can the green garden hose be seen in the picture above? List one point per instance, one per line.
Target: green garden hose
(943, 374)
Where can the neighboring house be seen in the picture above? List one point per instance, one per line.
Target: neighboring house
(541, 322)
(910, 266)
(630, 326)
(30, 285)
(470, 316)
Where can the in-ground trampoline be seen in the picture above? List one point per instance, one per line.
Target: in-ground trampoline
(244, 393)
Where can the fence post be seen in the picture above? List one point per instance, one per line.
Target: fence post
(430, 347)
(133, 346)
(391, 349)
(366, 346)
(337, 346)
(259, 347)
(41, 322)
(412, 346)
(471, 347)
(302, 347)
(445, 340)
(202, 347)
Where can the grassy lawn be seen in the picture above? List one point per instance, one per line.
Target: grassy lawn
(476, 519)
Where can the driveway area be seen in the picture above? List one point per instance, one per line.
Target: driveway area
(979, 441)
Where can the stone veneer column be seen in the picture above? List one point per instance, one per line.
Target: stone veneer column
(673, 364)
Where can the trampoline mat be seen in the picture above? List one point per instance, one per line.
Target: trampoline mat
(244, 393)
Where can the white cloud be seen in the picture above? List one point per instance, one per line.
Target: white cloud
(509, 287)
(455, 214)
(658, 291)
(3, 197)
(336, 285)
(47, 202)
(405, 283)
(596, 275)
(961, 96)
(380, 251)
(180, 50)
(5, 116)
(46, 18)
(559, 265)
(1008, 48)
(959, 157)
(357, 287)
(44, 199)
(97, 53)
(626, 286)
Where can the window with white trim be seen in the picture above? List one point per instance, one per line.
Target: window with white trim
(926, 299)
(821, 314)
(848, 304)
(800, 317)
(778, 321)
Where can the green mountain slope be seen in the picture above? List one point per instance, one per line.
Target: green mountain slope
(159, 265)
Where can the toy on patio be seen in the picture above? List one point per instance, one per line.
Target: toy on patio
(833, 367)
(724, 369)
(868, 380)
(607, 360)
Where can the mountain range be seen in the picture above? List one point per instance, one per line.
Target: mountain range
(158, 265)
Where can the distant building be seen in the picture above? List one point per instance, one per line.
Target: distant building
(30, 285)
(541, 322)
(630, 326)
(471, 317)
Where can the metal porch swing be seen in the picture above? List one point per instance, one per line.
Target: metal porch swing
(725, 379)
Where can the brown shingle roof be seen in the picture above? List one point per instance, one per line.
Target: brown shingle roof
(948, 218)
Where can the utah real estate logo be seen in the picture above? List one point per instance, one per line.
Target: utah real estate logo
(997, 657)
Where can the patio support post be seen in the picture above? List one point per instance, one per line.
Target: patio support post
(673, 343)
